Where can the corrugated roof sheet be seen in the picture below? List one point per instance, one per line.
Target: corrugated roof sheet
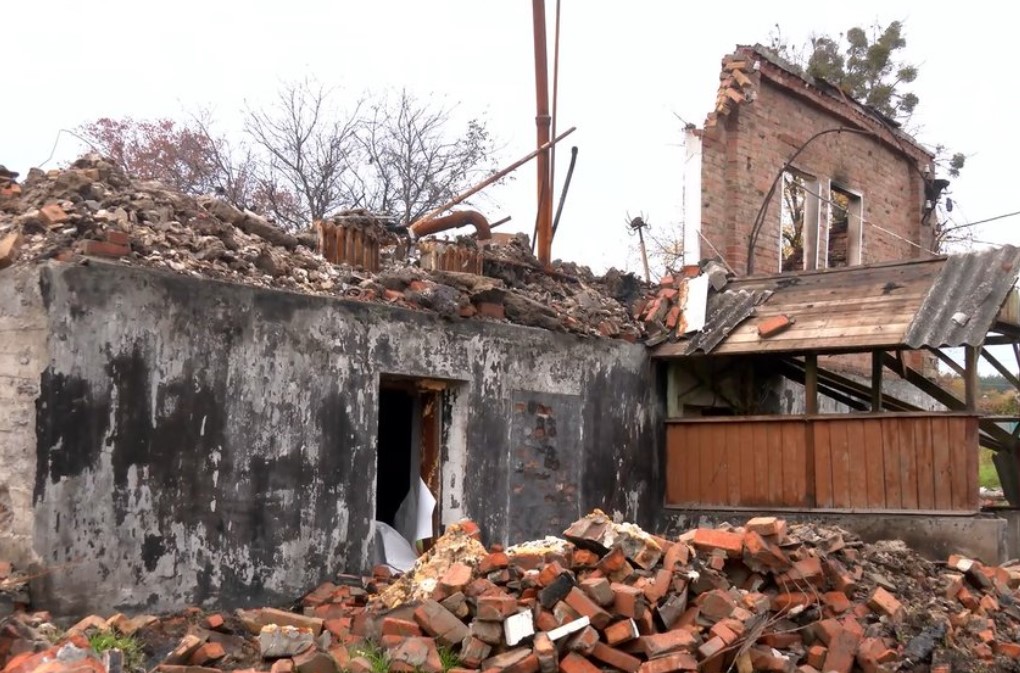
(725, 311)
(936, 302)
(965, 299)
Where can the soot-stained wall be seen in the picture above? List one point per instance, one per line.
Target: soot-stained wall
(206, 443)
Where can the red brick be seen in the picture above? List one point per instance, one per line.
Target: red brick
(781, 640)
(771, 326)
(599, 590)
(761, 551)
(529, 664)
(664, 643)
(723, 631)
(620, 632)
(681, 661)
(842, 652)
(614, 565)
(585, 607)
(628, 601)
(583, 641)
(400, 627)
(807, 570)
(94, 248)
(52, 214)
(766, 525)
(474, 652)
(676, 556)
(439, 622)
(1011, 650)
(214, 622)
(496, 560)
(491, 310)
(206, 653)
(816, 656)
(788, 601)
(316, 661)
(883, 602)
(575, 663)
(711, 539)
(584, 558)
(711, 647)
(282, 666)
(616, 658)
(495, 608)
(9, 245)
(546, 653)
(455, 578)
(117, 237)
(716, 605)
(836, 601)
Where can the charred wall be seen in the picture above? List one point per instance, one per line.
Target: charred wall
(206, 443)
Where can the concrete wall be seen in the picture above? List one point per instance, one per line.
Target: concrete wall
(206, 443)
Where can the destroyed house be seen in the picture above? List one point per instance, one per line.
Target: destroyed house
(794, 175)
(172, 439)
(199, 408)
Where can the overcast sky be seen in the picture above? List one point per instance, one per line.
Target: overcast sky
(627, 70)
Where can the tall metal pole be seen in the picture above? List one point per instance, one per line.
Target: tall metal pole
(542, 123)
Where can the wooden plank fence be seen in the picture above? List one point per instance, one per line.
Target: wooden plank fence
(874, 462)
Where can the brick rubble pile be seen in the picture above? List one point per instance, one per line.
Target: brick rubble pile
(605, 597)
(92, 209)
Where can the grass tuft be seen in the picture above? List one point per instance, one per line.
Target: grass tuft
(134, 654)
(375, 655)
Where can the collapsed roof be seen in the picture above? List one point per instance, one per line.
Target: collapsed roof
(93, 209)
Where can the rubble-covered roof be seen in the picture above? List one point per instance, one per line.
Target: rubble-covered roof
(93, 209)
(937, 302)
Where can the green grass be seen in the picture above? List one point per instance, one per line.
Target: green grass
(987, 476)
(449, 658)
(134, 655)
(374, 654)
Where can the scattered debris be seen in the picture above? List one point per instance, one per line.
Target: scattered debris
(761, 597)
(92, 209)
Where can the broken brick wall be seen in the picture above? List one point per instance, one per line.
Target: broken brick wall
(22, 357)
(207, 443)
(743, 151)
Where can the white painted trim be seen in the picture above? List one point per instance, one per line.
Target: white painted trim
(692, 198)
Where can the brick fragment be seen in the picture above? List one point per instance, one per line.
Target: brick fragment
(474, 651)
(615, 566)
(496, 607)
(772, 326)
(575, 663)
(661, 644)
(400, 627)
(556, 590)
(455, 578)
(789, 601)
(628, 601)
(487, 632)
(9, 245)
(584, 606)
(583, 641)
(207, 653)
(842, 652)
(621, 632)
(439, 622)
(52, 215)
(546, 653)
(680, 661)
(599, 590)
(885, 603)
(506, 659)
(316, 661)
(816, 656)
(716, 605)
(496, 560)
(214, 622)
(711, 539)
(615, 658)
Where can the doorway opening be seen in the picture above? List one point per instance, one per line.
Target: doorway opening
(408, 454)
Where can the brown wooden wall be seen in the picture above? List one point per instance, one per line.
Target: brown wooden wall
(918, 462)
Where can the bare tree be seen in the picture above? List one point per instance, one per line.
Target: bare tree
(308, 151)
(410, 160)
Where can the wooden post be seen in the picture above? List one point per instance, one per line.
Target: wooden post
(876, 381)
(971, 378)
(811, 384)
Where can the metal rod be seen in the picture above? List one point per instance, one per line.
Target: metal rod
(644, 254)
(563, 194)
(1006, 374)
(555, 106)
(494, 177)
(542, 124)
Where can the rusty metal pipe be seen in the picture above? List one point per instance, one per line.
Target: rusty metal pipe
(461, 218)
(495, 177)
(542, 123)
